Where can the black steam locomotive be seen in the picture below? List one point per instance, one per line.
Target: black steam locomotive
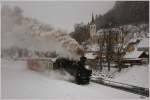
(76, 69)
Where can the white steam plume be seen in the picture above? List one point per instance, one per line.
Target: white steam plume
(29, 33)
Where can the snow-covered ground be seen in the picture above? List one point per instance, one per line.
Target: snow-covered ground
(20, 82)
(137, 75)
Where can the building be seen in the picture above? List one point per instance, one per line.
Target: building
(91, 59)
(135, 57)
(143, 45)
(111, 43)
(92, 29)
(40, 64)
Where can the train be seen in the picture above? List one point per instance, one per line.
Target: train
(78, 69)
(81, 72)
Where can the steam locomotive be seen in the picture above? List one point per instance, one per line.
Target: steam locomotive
(78, 69)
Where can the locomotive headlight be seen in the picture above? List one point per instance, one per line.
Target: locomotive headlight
(87, 67)
(78, 74)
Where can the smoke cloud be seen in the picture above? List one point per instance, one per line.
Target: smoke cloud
(61, 75)
(25, 32)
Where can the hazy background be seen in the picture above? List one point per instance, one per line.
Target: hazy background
(62, 14)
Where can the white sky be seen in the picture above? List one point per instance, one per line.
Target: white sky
(63, 14)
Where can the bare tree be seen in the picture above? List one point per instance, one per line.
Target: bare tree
(106, 48)
(120, 49)
(109, 48)
(101, 46)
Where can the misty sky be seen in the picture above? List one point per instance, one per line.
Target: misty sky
(63, 14)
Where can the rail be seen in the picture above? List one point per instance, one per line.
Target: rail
(122, 86)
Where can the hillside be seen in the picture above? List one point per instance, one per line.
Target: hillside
(123, 13)
(133, 15)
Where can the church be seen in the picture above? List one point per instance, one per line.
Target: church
(92, 31)
(93, 40)
(96, 36)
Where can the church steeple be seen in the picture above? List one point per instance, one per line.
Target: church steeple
(92, 18)
(92, 29)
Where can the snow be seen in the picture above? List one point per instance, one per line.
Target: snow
(136, 75)
(144, 43)
(90, 56)
(133, 40)
(93, 47)
(19, 82)
(105, 74)
(134, 54)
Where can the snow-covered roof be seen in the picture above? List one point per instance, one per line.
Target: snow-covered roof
(133, 40)
(144, 43)
(90, 56)
(94, 47)
(106, 31)
(133, 55)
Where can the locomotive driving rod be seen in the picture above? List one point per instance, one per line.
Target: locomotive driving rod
(122, 86)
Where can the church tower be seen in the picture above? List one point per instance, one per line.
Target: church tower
(92, 29)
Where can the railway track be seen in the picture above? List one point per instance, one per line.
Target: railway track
(122, 86)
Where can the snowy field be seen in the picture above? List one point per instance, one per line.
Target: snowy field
(137, 75)
(19, 82)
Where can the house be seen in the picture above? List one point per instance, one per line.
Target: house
(135, 57)
(40, 64)
(91, 59)
(143, 45)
